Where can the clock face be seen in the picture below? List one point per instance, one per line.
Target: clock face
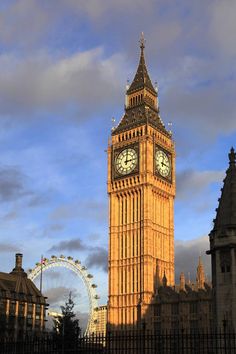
(126, 161)
(162, 163)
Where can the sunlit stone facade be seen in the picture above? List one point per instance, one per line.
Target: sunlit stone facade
(141, 189)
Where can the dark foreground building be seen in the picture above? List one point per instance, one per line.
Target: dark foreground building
(22, 306)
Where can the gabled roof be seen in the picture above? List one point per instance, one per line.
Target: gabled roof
(17, 285)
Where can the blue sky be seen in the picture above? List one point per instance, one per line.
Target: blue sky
(64, 66)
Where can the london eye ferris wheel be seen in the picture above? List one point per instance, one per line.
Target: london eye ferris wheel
(58, 275)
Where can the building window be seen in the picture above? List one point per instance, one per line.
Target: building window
(225, 268)
(30, 307)
(38, 311)
(157, 326)
(3, 303)
(175, 325)
(193, 325)
(157, 310)
(174, 309)
(12, 309)
(21, 309)
(193, 307)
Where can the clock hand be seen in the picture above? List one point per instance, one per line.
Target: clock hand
(163, 164)
(126, 157)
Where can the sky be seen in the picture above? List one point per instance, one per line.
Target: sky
(64, 66)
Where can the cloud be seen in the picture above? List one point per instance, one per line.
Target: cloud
(98, 258)
(53, 274)
(4, 248)
(187, 254)
(81, 209)
(71, 245)
(83, 319)
(101, 9)
(12, 183)
(223, 26)
(11, 215)
(191, 183)
(38, 200)
(58, 295)
(56, 227)
(18, 17)
(69, 83)
(203, 109)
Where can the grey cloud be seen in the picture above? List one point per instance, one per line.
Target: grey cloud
(100, 9)
(12, 215)
(83, 319)
(53, 274)
(38, 200)
(56, 227)
(186, 257)
(208, 111)
(16, 19)
(81, 209)
(98, 258)
(13, 186)
(4, 247)
(12, 183)
(94, 237)
(57, 296)
(190, 182)
(54, 84)
(223, 26)
(82, 316)
(70, 245)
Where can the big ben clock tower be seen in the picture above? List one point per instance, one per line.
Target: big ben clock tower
(141, 189)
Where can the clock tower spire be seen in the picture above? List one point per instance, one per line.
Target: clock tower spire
(141, 106)
(141, 190)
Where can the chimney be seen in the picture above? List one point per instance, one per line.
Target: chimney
(18, 265)
(19, 257)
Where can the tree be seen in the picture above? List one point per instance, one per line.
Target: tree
(67, 326)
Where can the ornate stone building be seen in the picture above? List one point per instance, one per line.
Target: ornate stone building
(22, 306)
(184, 306)
(141, 189)
(223, 251)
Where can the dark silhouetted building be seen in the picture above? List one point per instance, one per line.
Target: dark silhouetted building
(22, 306)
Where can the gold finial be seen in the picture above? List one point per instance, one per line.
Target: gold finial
(142, 41)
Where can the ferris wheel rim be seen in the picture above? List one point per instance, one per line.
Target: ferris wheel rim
(79, 270)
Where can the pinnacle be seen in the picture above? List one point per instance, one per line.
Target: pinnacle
(232, 157)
